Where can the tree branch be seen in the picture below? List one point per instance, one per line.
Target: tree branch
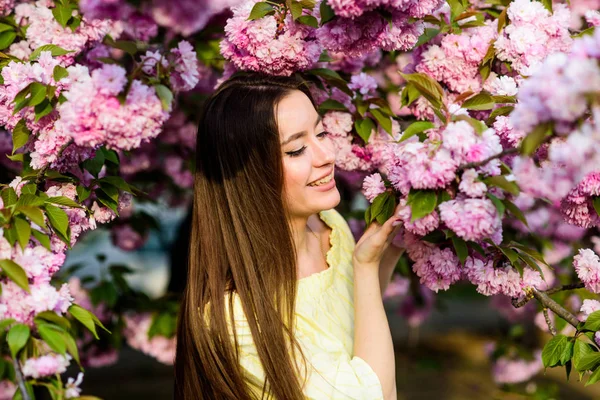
(20, 380)
(549, 322)
(520, 303)
(559, 310)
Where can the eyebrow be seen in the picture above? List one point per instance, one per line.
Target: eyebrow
(298, 135)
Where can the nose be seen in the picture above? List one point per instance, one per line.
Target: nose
(324, 153)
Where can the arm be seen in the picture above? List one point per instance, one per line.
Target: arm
(372, 337)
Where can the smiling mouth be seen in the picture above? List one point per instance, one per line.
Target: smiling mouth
(323, 181)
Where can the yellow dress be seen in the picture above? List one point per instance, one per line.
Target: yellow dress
(324, 327)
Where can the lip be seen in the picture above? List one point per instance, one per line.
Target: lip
(326, 187)
(324, 176)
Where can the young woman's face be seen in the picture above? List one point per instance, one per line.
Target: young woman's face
(308, 157)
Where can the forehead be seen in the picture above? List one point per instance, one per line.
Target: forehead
(295, 113)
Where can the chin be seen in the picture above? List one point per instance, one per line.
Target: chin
(329, 201)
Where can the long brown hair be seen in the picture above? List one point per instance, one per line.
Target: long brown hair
(240, 243)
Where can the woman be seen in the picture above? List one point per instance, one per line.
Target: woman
(280, 302)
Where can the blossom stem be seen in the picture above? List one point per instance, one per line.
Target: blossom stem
(20, 380)
(549, 322)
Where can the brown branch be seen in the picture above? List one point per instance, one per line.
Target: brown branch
(549, 322)
(559, 310)
(520, 303)
(20, 379)
(572, 286)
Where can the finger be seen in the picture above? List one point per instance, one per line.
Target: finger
(388, 228)
(395, 231)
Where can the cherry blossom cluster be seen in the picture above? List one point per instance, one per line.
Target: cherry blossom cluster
(43, 29)
(273, 44)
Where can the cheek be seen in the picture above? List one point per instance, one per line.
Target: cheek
(296, 175)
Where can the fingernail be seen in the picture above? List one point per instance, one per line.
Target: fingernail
(397, 222)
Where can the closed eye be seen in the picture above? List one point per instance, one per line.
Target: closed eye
(299, 152)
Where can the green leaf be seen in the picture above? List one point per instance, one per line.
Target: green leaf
(85, 317)
(326, 12)
(38, 94)
(422, 203)
(5, 324)
(505, 110)
(498, 203)
(163, 324)
(592, 322)
(117, 182)
(23, 231)
(428, 87)
(63, 201)
(589, 361)
(52, 48)
(535, 139)
(28, 199)
(384, 121)
(308, 20)
(502, 19)
(409, 94)
(6, 27)
(554, 351)
(83, 193)
(510, 254)
(364, 128)
(499, 99)
(165, 95)
(501, 182)
(308, 4)
(20, 135)
(415, 128)
(110, 155)
(9, 196)
(296, 10)
(53, 336)
(481, 101)
(51, 316)
(427, 35)
(581, 350)
(547, 4)
(94, 165)
(15, 273)
(596, 203)
(59, 73)
(260, 10)
(62, 14)
(331, 104)
(42, 238)
(7, 38)
(58, 219)
(594, 377)
(382, 207)
(43, 109)
(460, 246)
(17, 337)
(128, 46)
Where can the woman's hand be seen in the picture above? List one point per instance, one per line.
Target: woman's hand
(371, 247)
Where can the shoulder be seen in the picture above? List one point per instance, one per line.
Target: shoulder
(337, 223)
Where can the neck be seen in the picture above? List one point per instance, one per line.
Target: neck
(300, 232)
